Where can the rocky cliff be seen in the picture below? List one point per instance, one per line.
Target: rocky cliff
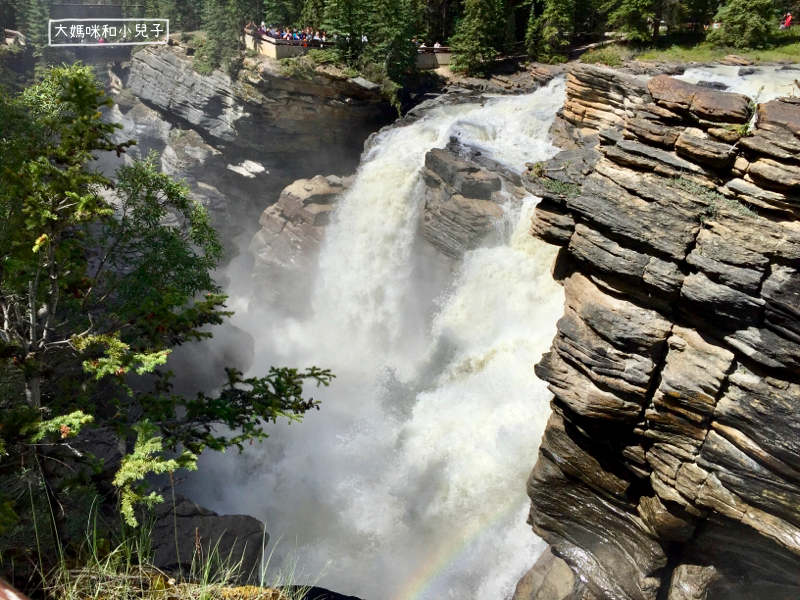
(670, 468)
(239, 141)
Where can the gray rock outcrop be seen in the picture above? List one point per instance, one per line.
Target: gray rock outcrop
(464, 198)
(238, 142)
(287, 245)
(184, 533)
(670, 467)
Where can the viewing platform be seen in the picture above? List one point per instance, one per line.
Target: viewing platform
(427, 58)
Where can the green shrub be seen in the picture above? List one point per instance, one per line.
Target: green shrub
(609, 56)
(745, 24)
(714, 200)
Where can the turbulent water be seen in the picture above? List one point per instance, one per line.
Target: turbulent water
(409, 483)
(764, 84)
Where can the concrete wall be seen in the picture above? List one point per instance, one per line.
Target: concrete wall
(425, 60)
(432, 60)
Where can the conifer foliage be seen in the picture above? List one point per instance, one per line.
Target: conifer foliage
(480, 35)
(99, 280)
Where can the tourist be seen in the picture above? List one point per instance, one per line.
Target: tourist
(787, 21)
(437, 45)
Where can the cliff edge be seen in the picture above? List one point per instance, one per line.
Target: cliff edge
(670, 467)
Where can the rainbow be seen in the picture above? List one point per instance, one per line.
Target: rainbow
(448, 553)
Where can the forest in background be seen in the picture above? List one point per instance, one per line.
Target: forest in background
(479, 31)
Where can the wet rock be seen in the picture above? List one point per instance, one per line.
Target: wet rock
(691, 582)
(286, 246)
(675, 364)
(460, 208)
(549, 579)
(713, 85)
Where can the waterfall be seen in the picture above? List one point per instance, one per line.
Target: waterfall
(410, 481)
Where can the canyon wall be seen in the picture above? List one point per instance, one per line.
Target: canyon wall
(670, 467)
(239, 141)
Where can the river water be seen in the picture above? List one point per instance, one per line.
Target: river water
(410, 481)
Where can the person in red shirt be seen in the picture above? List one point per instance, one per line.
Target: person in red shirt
(787, 21)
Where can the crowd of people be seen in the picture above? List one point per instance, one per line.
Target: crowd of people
(287, 34)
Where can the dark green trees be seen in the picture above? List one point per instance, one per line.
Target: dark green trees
(95, 284)
(480, 35)
(347, 22)
(745, 23)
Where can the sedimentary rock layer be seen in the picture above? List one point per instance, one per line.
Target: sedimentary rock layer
(670, 467)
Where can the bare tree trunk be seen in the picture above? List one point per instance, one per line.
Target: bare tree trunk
(52, 301)
(657, 21)
(33, 390)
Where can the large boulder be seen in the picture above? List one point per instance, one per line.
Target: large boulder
(184, 533)
(286, 246)
(698, 101)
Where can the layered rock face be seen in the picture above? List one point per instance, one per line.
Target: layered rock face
(670, 468)
(261, 110)
(462, 202)
(462, 206)
(239, 142)
(286, 246)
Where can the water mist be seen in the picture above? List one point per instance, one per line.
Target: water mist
(410, 482)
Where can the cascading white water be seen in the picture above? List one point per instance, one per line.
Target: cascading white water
(410, 481)
(766, 83)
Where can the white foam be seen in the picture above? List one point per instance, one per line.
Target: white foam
(410, 482)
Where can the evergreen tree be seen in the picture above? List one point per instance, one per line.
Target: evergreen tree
(35, 16)
(745, 24)
(282, 12)
(348, 22)
(92, 290)
(389, 32)
(635, 18)
(557, 27)
(436, 19)
(313, 13)
(183, 16)
(479, 36)
(223, 34)
(699, 12)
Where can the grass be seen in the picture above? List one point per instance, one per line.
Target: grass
(570, 190)
(126, 573)
(783, 46)
(92, 567)
(714, 200)
(613, 55)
